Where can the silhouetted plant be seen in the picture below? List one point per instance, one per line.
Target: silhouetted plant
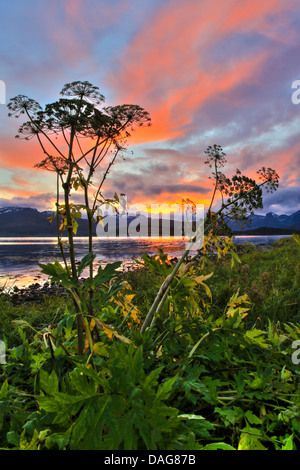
(239, 196)
(88, 134)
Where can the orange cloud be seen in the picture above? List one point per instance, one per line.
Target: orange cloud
(170, 198)
(19, 153)
(9, 193)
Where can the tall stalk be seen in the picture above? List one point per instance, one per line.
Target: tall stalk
(67, 189)
(271, 181)
(60, 244)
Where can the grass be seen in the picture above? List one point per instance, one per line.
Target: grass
(270, 277)
(37, 314)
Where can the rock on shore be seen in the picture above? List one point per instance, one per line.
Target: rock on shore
(35, 292)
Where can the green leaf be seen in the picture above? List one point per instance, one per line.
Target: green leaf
(87, 422)
(252, 418)
(235, 257)
(296, 423)
(257, 337)
(190, 416)
(106, 274)
(152, 378)
(61, 440)
(165, 389)
(96, 378)
(250, 439)
(13, 438)
(58, 273)
(4, 390)
(218, 446)
(289, 445)
(230, 416)
(86, 261)
(100, 349)
(49, 383)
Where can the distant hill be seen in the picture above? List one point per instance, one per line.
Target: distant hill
(29, 222)
(270, 224)
(266, 231)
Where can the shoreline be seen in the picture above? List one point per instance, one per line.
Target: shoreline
(36, 291)
(33, 286)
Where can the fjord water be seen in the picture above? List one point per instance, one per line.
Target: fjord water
(19, 257)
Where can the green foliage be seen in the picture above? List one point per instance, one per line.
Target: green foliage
(270, 277)
(207, 375)
(109, 404)
(211, 366)
(58, 273)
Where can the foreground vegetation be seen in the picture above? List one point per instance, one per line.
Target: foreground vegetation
(218, 369)
(191, 355)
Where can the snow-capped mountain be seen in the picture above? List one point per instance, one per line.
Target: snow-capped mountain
(26, 222)
(271, 220)
(29, 222)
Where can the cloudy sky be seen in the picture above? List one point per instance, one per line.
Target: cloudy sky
(208, 72)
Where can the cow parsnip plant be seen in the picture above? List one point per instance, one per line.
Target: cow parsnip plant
(78, 135)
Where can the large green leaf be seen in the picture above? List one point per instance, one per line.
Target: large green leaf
(86, 261)
(165, 389)
(58, 274)
(106, 274)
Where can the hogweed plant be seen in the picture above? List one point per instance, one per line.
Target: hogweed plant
(78, 136)
(239, 195)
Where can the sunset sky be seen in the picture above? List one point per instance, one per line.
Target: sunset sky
(208, 72)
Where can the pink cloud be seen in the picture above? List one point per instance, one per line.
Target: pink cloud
(164, 69)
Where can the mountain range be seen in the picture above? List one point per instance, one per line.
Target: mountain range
(269, 224)
(29, 222)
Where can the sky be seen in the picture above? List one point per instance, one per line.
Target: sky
(207, 71)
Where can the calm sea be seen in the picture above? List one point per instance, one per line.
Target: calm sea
(19, 257)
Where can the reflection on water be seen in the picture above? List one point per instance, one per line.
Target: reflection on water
(19, 257)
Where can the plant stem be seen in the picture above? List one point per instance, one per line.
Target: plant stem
(66, 187)
(57, 227)
(169, 279)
